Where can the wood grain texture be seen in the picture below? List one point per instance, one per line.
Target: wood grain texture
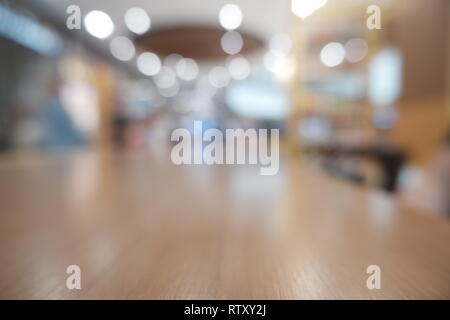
(141, 228)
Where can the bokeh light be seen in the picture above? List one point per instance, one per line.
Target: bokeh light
(304, 8)
(239, 68)
(281, 44)
(165, 79)
(122, 48)
(219, 77)
(232, 42)
(137, 20)
(187, 69)
(332, 54)
(99, 24)
(230, 16)
(148, 63)
(356, 50)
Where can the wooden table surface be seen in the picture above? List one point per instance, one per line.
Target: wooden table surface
(141, 228)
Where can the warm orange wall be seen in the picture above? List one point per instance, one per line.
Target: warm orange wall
(422, 128)
(420, 30)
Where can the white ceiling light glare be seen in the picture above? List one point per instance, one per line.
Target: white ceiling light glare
(148, 63)
(230, 16)
(165, 79)
(137, 20)
(99, 24)
(239, 68)
(122, 49)
(356, 50)
(304, 8)
(187, 69)
(232, 42)
(219, 77)
(281, 44)
(332, 54)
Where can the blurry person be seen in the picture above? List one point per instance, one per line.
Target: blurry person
(58, 128)
(432, 190)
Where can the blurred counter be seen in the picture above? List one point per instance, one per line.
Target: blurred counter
(142, 228)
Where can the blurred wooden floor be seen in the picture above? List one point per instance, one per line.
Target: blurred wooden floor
(140, 228)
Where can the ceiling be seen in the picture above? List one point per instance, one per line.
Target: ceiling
(262, 18)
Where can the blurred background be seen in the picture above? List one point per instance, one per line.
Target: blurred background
(370, 107)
